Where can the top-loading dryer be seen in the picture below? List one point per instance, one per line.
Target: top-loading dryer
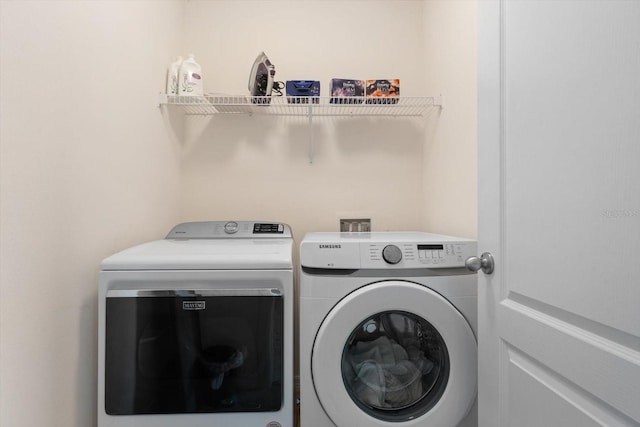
(387, 330)
(197, 329)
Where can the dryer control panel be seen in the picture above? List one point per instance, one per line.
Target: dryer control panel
(230, 230)
(384, 250)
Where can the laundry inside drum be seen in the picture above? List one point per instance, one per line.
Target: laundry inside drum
(395, 366)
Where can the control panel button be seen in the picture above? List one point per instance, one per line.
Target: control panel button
(231, 227)
(392, 254)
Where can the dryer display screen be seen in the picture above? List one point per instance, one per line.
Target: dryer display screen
(268, 229)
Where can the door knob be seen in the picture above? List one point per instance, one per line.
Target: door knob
(485, 262)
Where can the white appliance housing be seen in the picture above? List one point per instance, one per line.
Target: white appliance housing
(387, 330)
(197, 329)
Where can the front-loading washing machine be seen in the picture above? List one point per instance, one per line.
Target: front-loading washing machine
(387, 330)
(197, 329)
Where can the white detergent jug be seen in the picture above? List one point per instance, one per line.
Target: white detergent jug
(173, 75)
(191, 77)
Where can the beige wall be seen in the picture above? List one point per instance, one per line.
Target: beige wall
(407, 174)
(86, 169)
(258, 167)
(450, 153)
(89, 164)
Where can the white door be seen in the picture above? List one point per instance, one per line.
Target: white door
(559, 208)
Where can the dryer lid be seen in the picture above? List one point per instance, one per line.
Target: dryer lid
(212, 245)
(264, 254)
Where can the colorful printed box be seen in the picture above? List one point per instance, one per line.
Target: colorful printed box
(347, 91)
(383, 91)
(299, 91)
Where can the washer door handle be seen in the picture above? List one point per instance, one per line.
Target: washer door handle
(485, 263)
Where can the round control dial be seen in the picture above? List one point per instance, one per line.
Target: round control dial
(392, 254)
(231, 227)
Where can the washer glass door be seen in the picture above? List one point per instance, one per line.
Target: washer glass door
(395, 365)
(394, 353)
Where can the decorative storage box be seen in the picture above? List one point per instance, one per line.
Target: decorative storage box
(383, 91)
(298, 91)
(346, 91)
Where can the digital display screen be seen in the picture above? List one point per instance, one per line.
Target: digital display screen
(430, 247)
(268, 228)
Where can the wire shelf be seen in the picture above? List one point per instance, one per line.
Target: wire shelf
(302, 106)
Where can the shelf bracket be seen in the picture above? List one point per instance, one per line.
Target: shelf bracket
(163, 99)
(310, 135)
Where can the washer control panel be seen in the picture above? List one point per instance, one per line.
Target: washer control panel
(384, 250)
(415, 255)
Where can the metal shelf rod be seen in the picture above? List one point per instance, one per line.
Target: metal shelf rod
(302, 106)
